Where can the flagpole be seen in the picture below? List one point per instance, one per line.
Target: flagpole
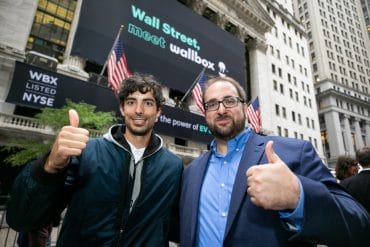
(192, 86)
(110, 52)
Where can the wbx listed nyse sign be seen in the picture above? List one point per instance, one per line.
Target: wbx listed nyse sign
(39, 87)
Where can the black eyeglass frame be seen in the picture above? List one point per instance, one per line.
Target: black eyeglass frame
(237, 100)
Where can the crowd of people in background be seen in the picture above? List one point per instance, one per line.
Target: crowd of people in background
(358, 185)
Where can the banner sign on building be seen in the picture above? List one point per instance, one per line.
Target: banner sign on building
(183, 124)
(168, 40)
(38, 88)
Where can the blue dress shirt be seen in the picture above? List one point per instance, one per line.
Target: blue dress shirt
(216, 191)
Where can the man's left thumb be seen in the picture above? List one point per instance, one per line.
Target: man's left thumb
(272, 157)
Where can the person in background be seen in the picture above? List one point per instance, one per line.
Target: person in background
(359, 185)
(37, 238)
(254, 190)
(346, 166)
(127, 185)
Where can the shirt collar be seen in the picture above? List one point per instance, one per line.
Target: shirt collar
(365, 169)
(235, 143)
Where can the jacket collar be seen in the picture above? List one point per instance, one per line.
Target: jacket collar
(115, 135)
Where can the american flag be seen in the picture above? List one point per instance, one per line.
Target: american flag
(197, 91)
(117, 66)
(254, 115)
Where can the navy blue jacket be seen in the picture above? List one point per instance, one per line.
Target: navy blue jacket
(331, 215)
(99, 201)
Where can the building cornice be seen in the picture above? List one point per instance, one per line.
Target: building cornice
(249, 17)
(350, 98)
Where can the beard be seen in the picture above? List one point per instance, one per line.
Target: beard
(138, 131)
(227, 133)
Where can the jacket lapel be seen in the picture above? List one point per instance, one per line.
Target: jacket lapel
(252, 154)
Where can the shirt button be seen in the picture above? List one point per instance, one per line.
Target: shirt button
(225, 162)
(237, 149)
(222, 185)
(223, 214)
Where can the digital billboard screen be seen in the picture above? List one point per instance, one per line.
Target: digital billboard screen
(166, 39)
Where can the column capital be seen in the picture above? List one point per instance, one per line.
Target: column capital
(73, 66)
(221, 20)
(199, 6)
(357, 119)
(242, 34)
(256, 44)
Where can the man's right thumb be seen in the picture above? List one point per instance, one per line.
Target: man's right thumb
(73, 118)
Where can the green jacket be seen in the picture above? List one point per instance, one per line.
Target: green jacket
(99, 212)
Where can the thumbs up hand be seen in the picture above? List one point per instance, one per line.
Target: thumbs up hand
(273, 186)
(70, 141)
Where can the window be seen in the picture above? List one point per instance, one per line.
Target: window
(277, 110)
(293, 116)
(51, 26)
(279, 130)
(281, 88)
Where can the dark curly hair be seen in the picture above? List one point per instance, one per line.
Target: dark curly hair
(143, 83)
(343, 165)
(363, 156)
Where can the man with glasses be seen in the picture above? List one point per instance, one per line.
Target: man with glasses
(253, 190)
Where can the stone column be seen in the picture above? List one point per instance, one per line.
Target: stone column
(358, 134)
(348, 136)
(73, 65)
(367, 133)
(259, 80)
(334, 134)
(166, 95)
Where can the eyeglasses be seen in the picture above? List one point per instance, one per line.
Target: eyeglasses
(228, 102)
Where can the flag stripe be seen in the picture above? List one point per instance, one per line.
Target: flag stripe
(197, 92)
(117, 67)
(254, 115)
